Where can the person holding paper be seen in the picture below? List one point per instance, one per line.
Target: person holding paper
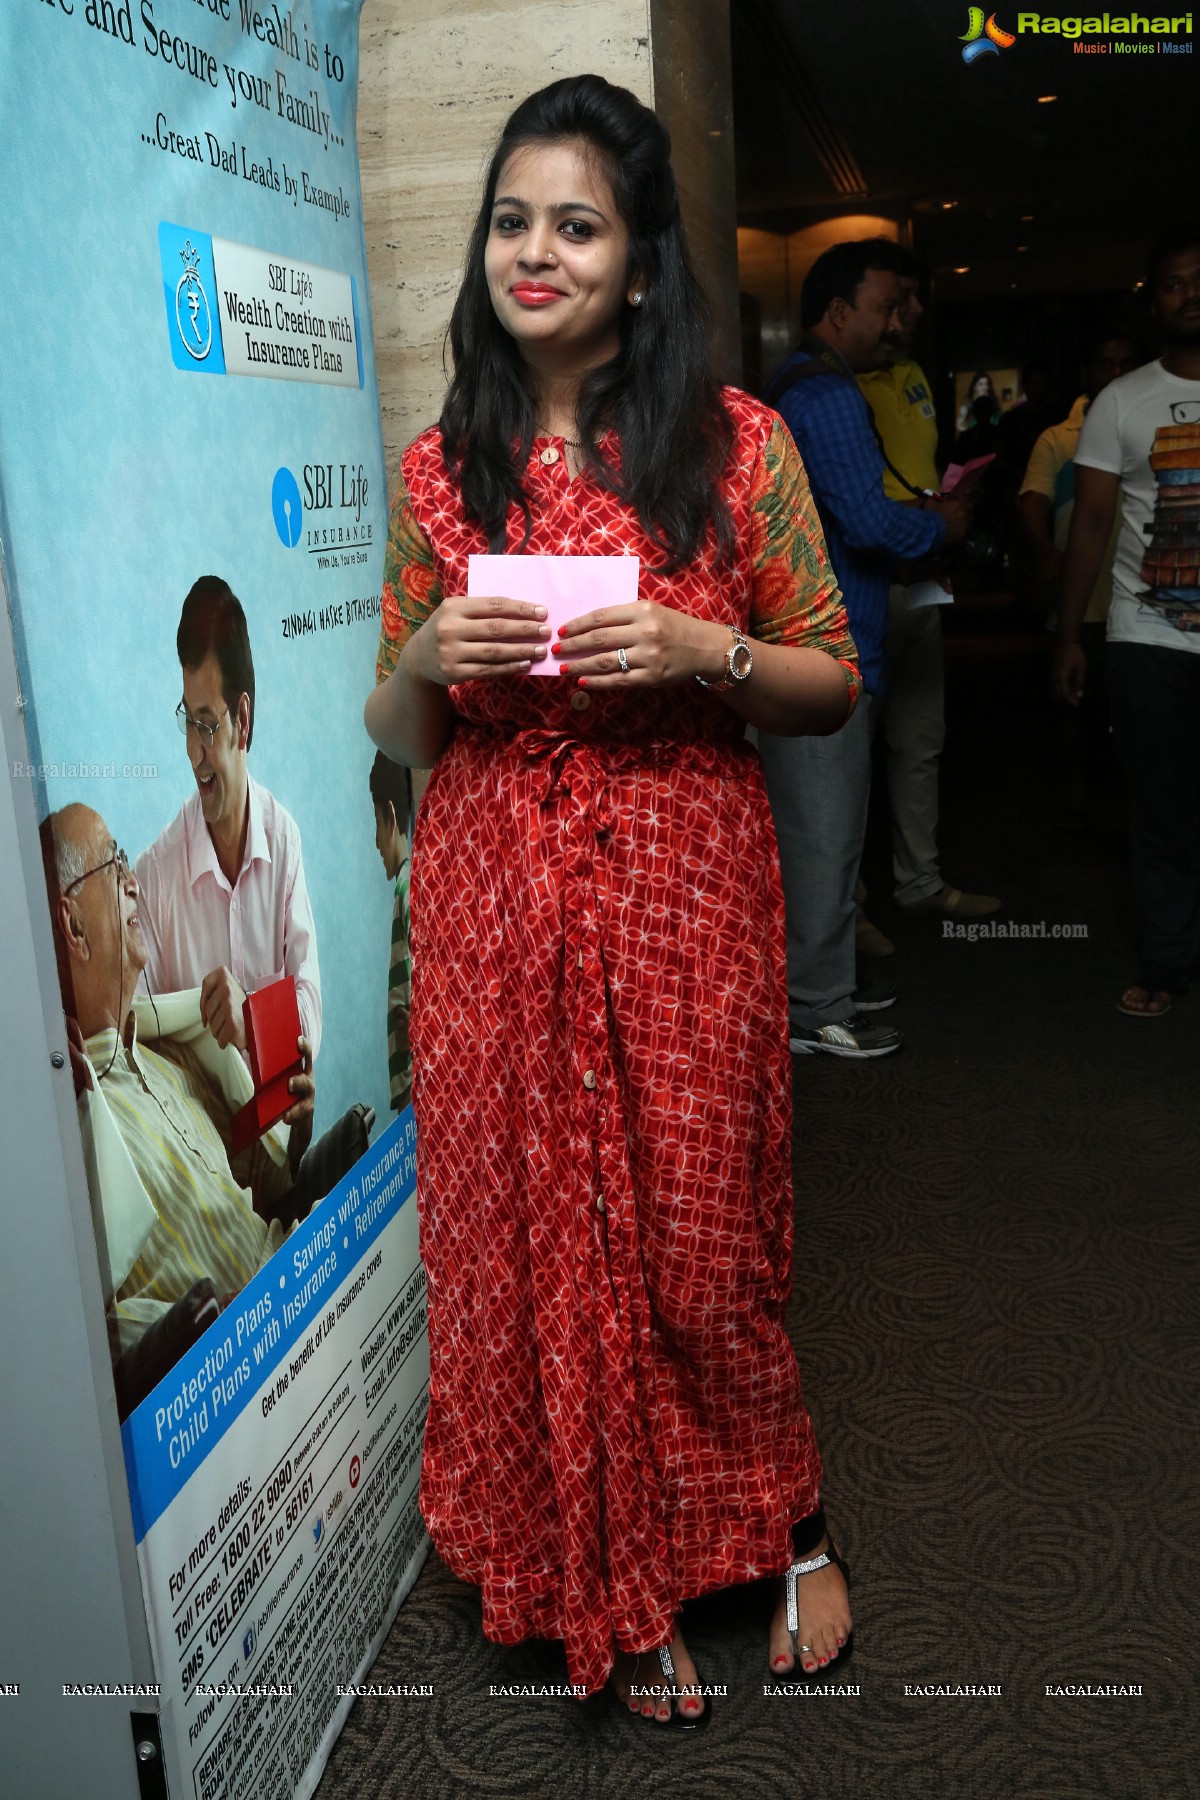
(599, 1007)
(912, 705)
(819, 790)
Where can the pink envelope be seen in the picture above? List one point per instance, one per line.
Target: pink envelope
(567, 586)
(963, 478)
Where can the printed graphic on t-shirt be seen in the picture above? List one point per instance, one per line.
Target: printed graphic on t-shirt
(1171, 565)
(917, 394)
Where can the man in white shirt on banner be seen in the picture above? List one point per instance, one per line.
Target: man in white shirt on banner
(224, 903)
(1140, 443)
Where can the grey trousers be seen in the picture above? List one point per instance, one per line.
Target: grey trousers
(912, 719)
(818, 788)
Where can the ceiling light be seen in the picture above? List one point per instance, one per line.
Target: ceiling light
(1027, 218)
(1045, 99)
(948, 205)
(965, 270)
(1021, 247)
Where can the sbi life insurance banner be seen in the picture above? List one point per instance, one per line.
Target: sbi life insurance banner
(187, 389)
(273, 1476)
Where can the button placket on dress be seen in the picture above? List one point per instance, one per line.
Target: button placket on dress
(577, 791)
(553, 475)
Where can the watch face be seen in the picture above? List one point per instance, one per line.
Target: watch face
(741, 661)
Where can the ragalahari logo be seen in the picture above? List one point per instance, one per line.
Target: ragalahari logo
(983, 37)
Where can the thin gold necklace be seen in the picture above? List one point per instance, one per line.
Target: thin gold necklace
(572, 443)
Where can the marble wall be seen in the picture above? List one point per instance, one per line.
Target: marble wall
(437, 80)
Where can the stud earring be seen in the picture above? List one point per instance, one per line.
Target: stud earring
(636, 299)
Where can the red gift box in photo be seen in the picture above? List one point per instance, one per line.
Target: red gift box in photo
(272, 1019)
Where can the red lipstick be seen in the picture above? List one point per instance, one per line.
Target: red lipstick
(535, 293)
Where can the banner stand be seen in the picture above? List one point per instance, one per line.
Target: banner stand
(70, 1594)
(83, 1706)
(209, 1193)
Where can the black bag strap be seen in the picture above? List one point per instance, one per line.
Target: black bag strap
(822, 360)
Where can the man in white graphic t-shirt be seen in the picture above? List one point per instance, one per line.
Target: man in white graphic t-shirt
(1140, 443)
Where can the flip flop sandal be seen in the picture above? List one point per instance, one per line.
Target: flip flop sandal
(806, 1533)
(1146, 1012)
(678, 1721)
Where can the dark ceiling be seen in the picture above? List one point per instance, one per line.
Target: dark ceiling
(869, 106)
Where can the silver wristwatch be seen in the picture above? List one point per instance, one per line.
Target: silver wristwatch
(739, 660)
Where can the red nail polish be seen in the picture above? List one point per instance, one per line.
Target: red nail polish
(556, 649)
(563, 669)
(581, 680)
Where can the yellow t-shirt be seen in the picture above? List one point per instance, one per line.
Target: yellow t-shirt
(902, 405)
(1051, 473)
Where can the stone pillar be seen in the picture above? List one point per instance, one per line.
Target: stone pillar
(693, 97)
(437, 80)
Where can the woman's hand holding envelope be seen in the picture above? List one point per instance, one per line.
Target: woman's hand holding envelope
(663, 648)
(480, 637)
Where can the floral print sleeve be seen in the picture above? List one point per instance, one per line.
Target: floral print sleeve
(796, 600)
(411, 589)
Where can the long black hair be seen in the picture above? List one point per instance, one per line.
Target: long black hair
(658, 392)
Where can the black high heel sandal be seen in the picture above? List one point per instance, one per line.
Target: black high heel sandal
(806, 1535)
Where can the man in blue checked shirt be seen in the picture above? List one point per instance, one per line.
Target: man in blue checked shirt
(819, 786)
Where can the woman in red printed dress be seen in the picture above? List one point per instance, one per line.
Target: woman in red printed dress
(599, 1010)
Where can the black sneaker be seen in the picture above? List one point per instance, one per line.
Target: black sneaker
(849, 1037)
(874, 996)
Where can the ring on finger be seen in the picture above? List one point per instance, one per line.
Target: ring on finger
(622, 662)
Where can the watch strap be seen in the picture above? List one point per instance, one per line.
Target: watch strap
(737, 639)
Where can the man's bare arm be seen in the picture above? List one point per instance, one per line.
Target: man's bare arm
(1097, 492)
